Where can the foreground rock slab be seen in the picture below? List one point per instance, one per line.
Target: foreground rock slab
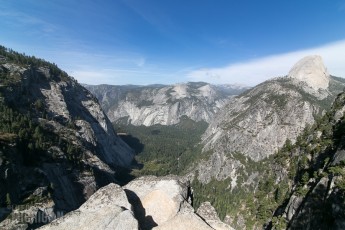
(107, 209)
(186, 221)
(155, 199)
(149, 202)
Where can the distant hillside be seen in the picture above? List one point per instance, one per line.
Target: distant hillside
(161, 104)
(244, 138)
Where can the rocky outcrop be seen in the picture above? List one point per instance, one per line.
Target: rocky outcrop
(160, 104)
(292, 206)
(107, 209)
(160, 198)
(145, 203)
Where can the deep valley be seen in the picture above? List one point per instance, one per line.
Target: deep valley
(185, 156)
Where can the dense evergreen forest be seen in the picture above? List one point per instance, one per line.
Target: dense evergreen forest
(162, 150)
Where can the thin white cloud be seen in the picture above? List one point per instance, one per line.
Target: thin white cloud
(23, 20)
(141, 62)
(92, 67)
(258, 70)
(89, 58)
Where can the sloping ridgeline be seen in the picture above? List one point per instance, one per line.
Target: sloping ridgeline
(248, 132)
(316, 166)
(300, 187)
(56, 145)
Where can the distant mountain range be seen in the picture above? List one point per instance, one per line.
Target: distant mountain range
(267, 157)
(163, 104)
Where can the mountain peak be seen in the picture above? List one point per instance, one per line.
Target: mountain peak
(312, 71)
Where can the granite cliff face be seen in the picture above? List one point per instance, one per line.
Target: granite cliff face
(317, 196)
(57, 145)
(257, 123)
(312, 71)
(161, 104)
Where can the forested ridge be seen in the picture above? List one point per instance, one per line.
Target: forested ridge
(296, 171)
(24, 142)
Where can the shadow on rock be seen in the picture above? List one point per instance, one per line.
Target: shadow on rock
(145, 222)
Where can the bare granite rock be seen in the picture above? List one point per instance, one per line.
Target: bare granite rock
(156, 200)
(145, 203)
(258, 123)
(184, 220)
(292, 206)
(107, 209)
(312, 71)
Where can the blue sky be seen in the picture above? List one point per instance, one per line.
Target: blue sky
(169, 41)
